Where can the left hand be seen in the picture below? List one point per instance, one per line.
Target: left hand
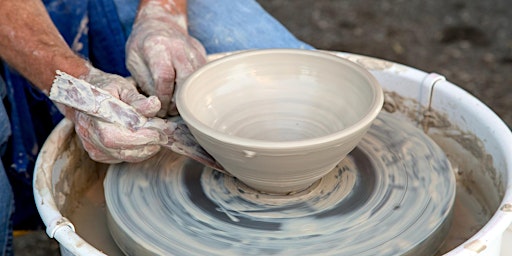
(124, 134)
(160, 52)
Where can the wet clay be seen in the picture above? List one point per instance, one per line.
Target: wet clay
(79, 195)
(77, 174)
(475, 202)
(393, 195)
(295, 120)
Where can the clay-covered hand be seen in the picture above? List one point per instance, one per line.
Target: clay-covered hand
(109, 142)
(161, 53)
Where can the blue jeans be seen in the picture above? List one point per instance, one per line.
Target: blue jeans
(227, 25)
(220, 25)
(6, 195)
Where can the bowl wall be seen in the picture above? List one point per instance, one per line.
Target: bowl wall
(279, 119)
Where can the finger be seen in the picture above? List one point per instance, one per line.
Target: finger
(184, 65)
(82, 128)
(183, 62)
(140, 71)
(189, 58)
(113, 136)
(173, 109)
(147, 106)
(113, 156)
(117, 155)
(142, 75)
(160, 124)
(125, 90)
(97, 155)
(106, 142)
(82, 125)
(159, 58)
(200, 57)
(186, 61)
(137, 155)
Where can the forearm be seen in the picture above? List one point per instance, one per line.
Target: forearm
(31, 44)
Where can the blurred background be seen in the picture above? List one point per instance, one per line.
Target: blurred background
(469, 42)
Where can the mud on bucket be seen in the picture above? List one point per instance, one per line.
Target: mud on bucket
(69, 194)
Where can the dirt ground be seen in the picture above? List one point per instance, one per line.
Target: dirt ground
(469, 42)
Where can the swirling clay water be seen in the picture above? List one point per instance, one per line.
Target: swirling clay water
(392, 195)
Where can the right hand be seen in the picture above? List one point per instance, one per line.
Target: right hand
(113, 143)
(160, 52)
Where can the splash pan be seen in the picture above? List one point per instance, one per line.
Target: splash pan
(69, 192)
(393, 195)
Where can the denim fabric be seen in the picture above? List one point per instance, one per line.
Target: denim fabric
(225, 25)
(6, 195)
(106, 38)
(6, 210)
(126, 10)
(5, 126)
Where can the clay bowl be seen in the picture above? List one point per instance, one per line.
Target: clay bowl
(279, 119)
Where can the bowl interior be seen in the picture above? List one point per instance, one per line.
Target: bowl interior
(278, 96)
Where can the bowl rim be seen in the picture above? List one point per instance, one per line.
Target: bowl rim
(332, 138)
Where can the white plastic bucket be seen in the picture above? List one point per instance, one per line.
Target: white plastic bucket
(64, 173)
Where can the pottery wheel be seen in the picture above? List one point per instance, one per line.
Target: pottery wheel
(393, 195)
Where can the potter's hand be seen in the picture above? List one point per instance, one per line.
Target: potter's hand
(109, 142)
(116, 115)
(160, 52)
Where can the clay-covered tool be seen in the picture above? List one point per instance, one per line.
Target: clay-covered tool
(94, 101)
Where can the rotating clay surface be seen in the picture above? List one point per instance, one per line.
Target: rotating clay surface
(392, 195)
(279, 119)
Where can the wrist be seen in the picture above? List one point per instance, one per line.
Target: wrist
(67, 62)
(72, 65)
(168, 11)
(173, 7)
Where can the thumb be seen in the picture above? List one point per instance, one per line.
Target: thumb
(147, 106)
